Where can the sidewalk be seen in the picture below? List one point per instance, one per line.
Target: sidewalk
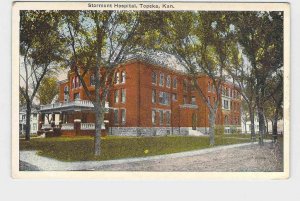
(48, 164)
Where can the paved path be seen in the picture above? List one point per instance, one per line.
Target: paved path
(238, 157)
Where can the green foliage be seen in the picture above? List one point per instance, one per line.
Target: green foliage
(81, 148)
(47, 90)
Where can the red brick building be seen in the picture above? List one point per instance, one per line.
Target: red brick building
(146, 100)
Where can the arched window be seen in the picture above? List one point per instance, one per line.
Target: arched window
(123, 78)
(117, 78)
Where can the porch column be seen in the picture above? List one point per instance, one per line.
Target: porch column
(41, 121)
(60, 119)
(53, 120)
(77, 129)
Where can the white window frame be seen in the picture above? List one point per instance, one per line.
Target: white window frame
(161, 79)
(168, 81)
(168, 118)
(116, 96)
(116, 122)
(174, 83)
(123, 77)
(153, 117)
(123, 116)
(153, 96)
(123, 95)
(161, 117)
(154, 74)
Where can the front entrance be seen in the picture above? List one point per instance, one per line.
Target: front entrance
(194, 121)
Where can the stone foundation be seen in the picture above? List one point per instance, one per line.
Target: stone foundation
(152, 131)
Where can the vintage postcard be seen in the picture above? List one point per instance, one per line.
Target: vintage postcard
(150, 90)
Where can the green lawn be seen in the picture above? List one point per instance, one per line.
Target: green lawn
(81, 148)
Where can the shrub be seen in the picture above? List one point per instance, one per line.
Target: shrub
(219, 130)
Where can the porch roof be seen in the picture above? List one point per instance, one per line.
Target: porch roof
(77, 105)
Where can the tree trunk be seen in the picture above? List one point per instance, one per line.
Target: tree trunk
(275, 120)
(261, 122)
(245, 125)
(28, 114)
(212, 120)
(267, 126)
(99, 121)
(251, 114)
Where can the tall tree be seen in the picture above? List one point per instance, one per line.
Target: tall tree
(242, 75)
(99, 41)
(202, 42)
(48, 90)
(40, 51)
(261, 36)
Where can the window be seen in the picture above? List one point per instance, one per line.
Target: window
(66, 90)
(34, 116)
(116, 96)
(117, 77)
(92, 80)
(76, 96)
(66, 94)
(168, 117)
(116, 117)
(161, 79)
(164, 98)
(225, 104)
(77, 82)
(168, 82)
(193, 102)
(123, 95)
(34, 126)
(174, 97)
(153, 117)
(161, 117)
(175, 83)
(185, 85)
(153, 96)
(184, 100)
(123, 116)
(154, 78)
(73, 83)
(123, 78)
(193, 85)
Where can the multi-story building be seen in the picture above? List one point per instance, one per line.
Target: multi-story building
(34, 117)
(146, 99)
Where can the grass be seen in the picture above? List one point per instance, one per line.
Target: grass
(81, 148)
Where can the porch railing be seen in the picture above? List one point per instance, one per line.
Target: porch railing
(46, 126)
(87, 126)
(68, 126)
(82, 103)
(77, 103)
